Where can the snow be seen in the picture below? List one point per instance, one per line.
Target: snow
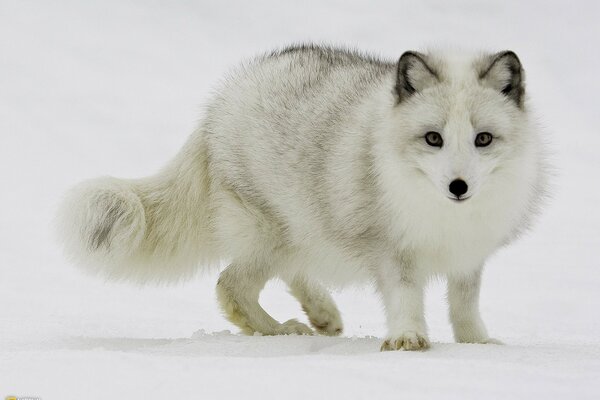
(96, 88)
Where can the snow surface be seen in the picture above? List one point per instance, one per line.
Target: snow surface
(97, 87)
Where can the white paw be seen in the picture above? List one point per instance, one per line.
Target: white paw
(408, 340)
(326, 321)
(293, 327)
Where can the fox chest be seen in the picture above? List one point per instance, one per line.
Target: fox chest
(446, 244)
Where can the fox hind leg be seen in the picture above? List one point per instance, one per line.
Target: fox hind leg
(238, 291)
(318, 305)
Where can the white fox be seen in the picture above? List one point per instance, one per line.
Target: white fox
(321, 167)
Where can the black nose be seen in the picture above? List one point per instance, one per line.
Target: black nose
(458, 187)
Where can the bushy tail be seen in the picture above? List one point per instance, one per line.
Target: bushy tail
(154, 229)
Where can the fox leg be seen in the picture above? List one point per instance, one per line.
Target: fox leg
(463, 298)
(238, 291)
(401, 287)
(318, 305)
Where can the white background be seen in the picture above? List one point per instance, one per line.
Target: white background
(114, 88)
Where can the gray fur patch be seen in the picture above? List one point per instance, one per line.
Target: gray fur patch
(332, 56)
(406, 264)
(101, 233)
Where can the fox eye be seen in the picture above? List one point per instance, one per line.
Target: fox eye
(434, 139)
(483, 139)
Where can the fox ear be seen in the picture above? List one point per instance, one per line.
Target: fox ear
(505, 74)
(413, 75)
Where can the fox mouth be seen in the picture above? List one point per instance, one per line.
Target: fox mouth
(459, 199)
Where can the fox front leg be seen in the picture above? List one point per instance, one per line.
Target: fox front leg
(401, 286)
(463, 299)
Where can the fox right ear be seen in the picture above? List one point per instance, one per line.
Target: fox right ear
(413, 74)
(505, 74)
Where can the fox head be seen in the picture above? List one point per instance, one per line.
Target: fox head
(459, 121)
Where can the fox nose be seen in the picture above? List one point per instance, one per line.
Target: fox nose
(458, 187)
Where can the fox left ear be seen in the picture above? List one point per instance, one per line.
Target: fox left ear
(413, 74)
(505, 74)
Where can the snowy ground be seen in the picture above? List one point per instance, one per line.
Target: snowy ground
(94, 88)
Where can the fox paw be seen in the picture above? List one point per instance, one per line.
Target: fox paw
(409, 340)
(326, 321)
(293, 327)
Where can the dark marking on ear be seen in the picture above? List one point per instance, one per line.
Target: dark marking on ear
(506, 75)
(101, 233)
(413, 74)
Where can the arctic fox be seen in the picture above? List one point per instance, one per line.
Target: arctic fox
(323, 166)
